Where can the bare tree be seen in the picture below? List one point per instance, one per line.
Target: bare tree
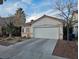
(66, 9)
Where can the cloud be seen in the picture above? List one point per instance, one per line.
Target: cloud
(35, 16)
(27, 1)
(51, 12)
(33, 9)
(8, 9)
(12, 8)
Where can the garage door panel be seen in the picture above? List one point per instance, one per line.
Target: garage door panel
(50, 33)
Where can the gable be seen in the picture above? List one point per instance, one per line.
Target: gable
(47, 21)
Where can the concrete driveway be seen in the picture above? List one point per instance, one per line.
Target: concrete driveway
(31, 49)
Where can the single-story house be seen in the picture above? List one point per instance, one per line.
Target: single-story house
(44, 27)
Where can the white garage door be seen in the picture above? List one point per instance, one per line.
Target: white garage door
(50, 33)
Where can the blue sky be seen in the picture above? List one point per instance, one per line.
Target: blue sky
(32, 8)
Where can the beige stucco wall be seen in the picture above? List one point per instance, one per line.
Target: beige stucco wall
(24, 33)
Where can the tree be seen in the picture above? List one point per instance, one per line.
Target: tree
(10, 28)
(66, 9)
(20, 17)
(21, 12)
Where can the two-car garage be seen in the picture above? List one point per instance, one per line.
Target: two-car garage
(47, 27)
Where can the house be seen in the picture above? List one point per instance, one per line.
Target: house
(75, 23)
(45, 27)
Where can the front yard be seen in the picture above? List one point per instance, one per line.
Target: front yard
(68, 49)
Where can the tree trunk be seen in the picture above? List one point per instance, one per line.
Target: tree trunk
(67, 32)
(10, 35)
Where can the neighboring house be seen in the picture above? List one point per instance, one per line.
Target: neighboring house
(75, 23)
(46, 27)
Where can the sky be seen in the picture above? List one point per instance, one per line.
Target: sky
(33, 8)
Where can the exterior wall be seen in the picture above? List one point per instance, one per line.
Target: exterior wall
(75, 24)
(48, 22)
(75, 17)
(75, 29)
(24, 32)
(61, 32)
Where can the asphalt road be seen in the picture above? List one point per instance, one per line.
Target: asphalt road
(31, 49)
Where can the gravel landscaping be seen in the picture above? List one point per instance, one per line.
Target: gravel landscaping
(68, 49)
